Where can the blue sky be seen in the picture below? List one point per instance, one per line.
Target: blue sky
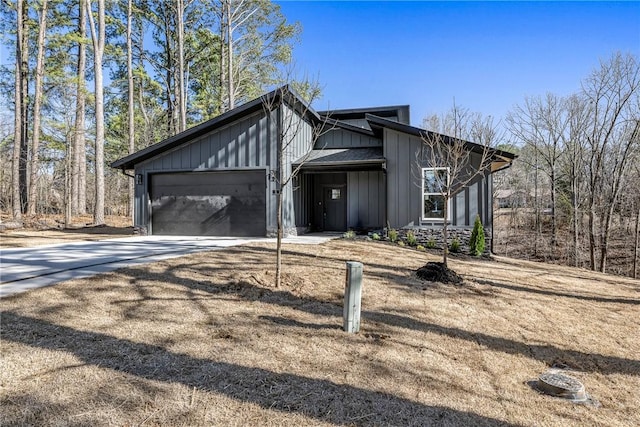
(486, 55)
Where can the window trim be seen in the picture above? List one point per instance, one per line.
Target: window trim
(424, 193)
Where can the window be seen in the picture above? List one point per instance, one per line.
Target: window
(434, 182)
(335, 194)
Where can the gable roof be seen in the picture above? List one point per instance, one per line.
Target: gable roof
(275, 97)
(327, 119)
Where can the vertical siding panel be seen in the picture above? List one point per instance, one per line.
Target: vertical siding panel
(252, 153)
(363, 213)
(185, 157)
(473, 202)
(372, 198)
(352, 199)
(460, 218)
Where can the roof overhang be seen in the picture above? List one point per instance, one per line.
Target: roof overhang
(499, 159)
(352, 159)
(272, 99)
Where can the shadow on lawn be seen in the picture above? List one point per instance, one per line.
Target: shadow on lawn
(545, 353)
(319, 399)
(558, 294)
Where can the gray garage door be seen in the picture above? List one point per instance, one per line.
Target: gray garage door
(209, 203)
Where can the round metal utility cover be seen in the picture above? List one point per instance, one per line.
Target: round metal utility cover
(560, 385)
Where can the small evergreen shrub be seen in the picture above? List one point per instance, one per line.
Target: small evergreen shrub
(455, 245)
(349, 234)
(431, 243)
(476, 242)
(400, 243)
(375, 236)
(420, 248)
(393, 235)
(411, 238)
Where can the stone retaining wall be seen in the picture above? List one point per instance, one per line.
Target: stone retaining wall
(427, 234)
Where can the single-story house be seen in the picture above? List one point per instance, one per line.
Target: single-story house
(356, 169)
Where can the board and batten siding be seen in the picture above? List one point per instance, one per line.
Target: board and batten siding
(404, 187)
(248, 143)
(297, 142)
(342, 138)
(365, 200)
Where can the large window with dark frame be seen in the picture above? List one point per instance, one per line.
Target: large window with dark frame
(434, 183)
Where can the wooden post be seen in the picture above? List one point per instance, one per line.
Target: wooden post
(352, 297)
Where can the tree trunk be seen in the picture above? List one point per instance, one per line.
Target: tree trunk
(636, 250)
(554, 221)
(35, 142)
(279, 209)
(98, 37)
(576, 219)
(130, 110)
(230, 82)
(18, 127)
(182, 102)
(24, 81)
(79, 174)
(445, 230)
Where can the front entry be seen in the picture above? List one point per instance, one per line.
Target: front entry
(330, 201)
(335, 207)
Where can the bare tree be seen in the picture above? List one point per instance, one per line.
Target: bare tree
(612, 92)
(454, 162)
(297, 135)
(98, 38)
(573, 161)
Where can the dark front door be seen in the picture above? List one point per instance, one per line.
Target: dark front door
(335, 207)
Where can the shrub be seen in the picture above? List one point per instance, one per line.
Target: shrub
(393, 235)
(420, 248)
(411, 238)
(349, 234)
(400, 243)
(476, 242)
(431, 243)
(455, 245)
(375, 236)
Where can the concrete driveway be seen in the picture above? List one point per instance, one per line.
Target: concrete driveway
(22, 269)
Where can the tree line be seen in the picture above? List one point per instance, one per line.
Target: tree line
(576, 186)
(95, 80)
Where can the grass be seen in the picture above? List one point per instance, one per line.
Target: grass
(47, 229)
(207, 340)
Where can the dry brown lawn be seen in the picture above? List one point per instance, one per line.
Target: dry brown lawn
(207, 340)
(47, 229)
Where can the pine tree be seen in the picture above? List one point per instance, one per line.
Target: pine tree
(476, 243)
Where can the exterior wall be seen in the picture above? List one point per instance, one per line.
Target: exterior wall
(404, 191)
(365, 200)
(342, 138)
(297, 141)
(248, 143)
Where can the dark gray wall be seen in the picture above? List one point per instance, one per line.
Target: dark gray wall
(404, 191)
(365, 199)
(248, 143)
(342, 138)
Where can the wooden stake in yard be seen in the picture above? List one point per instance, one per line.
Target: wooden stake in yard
(352, 297)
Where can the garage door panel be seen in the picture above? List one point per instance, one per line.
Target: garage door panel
(209, 204)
